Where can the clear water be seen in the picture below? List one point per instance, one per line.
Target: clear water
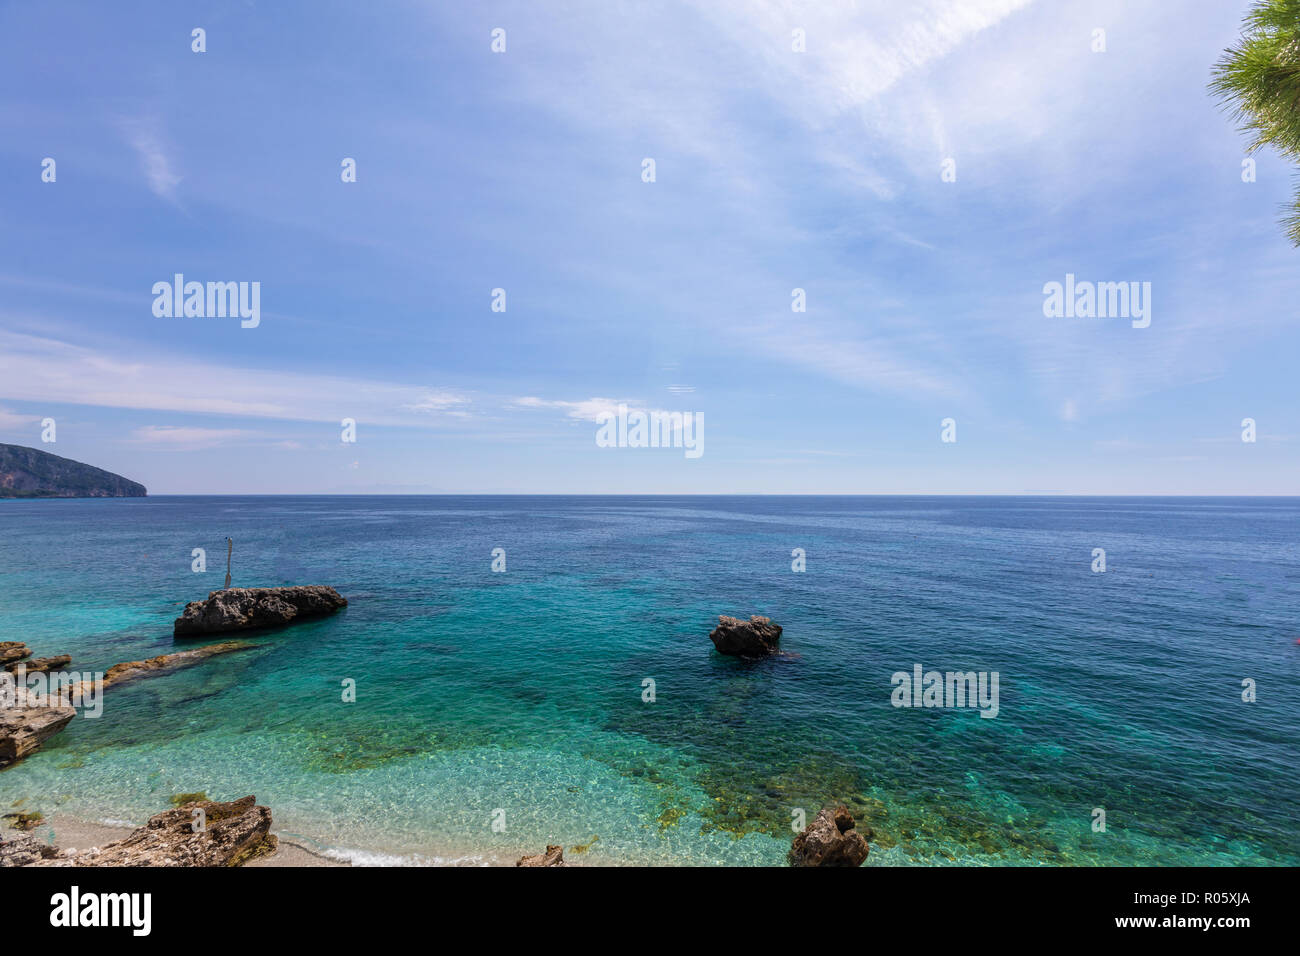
(522, 691)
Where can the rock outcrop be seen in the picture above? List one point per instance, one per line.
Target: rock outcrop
(24, 851)
(24, 724)
(40, 665)
(24, 729)
(554, 856)
(830, 840)
(230, 834)
(757, 637)
(32, 473)
(239, 609)
(166, 663)
(11, 652)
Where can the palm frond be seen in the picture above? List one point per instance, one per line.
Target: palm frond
(1258, 80)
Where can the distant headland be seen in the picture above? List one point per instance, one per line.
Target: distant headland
(31, 473)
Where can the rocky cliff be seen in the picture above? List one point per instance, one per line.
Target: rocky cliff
(30, 473)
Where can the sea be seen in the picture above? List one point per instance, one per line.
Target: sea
(513, 672)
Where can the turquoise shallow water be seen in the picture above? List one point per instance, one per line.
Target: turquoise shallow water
(521, 691)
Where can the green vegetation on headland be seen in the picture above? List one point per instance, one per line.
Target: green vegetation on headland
(31, 473)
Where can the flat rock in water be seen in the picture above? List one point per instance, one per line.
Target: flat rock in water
(40, 665)
(165, 663)
(11, 652)
(239, 609)
(24, 729)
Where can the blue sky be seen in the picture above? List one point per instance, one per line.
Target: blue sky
(522, 170)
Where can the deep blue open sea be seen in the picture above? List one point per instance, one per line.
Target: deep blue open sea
(517, 697)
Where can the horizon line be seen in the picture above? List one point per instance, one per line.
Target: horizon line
(634, 494)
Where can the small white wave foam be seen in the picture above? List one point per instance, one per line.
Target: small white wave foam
(374, 858)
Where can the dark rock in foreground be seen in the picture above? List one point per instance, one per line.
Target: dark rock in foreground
(757, 637)
(830, 840)
(232, 834)
(24, 850)
(554, 856)
(238, 609)
(32, 473)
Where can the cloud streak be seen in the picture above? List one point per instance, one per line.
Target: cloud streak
(188, 436)
(38, 369)
(145, 137)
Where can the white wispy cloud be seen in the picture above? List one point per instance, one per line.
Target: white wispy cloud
(146, 138)
(855, 51)
(39, 369)
(860, 103)
(432, 402)
(729, 58)
(587, 409)
(188, 436)
(590, 409)
(10, 419)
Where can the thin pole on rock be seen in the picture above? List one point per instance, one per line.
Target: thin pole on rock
(230, 547)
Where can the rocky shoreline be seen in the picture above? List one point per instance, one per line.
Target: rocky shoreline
(239, 834)
(32, 718)
(74, 834)
(196, 833)
(28, 719)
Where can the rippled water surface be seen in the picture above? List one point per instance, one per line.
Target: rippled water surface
(522, 692)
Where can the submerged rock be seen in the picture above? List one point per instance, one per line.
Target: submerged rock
(231, 834)
(24, 821)
(554, 856)
(757, 637)
(165, 663)
(24, 729)
(238, 609)
(830, 840)
(155, 666)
